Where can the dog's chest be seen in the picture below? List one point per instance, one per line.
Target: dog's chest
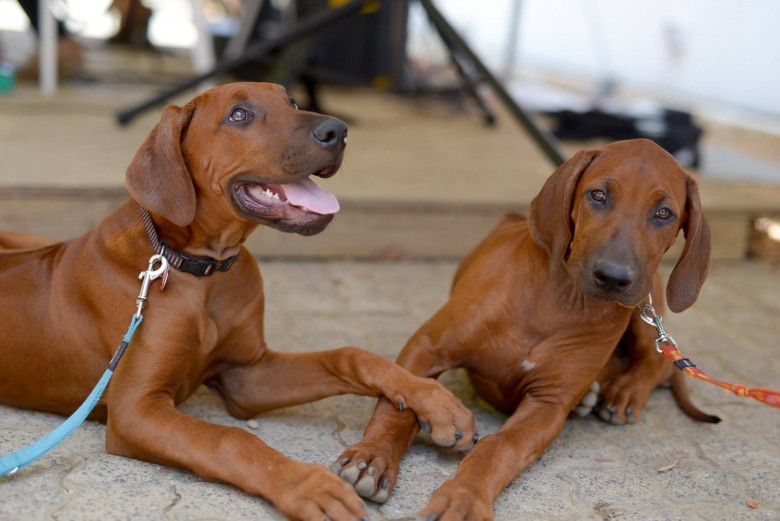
(542, 351)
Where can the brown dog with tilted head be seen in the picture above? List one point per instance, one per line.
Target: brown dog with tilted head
(536, 313)
(233, 158)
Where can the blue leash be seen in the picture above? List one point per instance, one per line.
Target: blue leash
(11, 463)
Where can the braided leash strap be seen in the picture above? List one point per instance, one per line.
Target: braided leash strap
(762, 394)
(666, 345)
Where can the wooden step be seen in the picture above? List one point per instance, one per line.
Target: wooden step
(361, 230)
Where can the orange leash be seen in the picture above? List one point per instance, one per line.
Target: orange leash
(666, 345)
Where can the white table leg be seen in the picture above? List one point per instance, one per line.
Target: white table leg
(47, 49)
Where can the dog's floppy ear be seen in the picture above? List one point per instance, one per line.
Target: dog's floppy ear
(550, 213)
(158, 177)
(692, 268)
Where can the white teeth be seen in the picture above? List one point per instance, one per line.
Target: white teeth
(261, 194)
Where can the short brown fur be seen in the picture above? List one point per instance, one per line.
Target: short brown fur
(65, 306)
(535, 315)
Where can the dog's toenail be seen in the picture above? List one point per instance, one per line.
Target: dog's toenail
(475, 439)
(344, 461)
(458, 435)
(371, 471)
(424, 425)
(384, 483)
(361, 465)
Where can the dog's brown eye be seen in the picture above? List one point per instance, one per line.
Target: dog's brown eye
(599, 196)
(239, 115)
(663, 213)
(292, 102)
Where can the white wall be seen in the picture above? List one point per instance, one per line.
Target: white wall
(723, 51)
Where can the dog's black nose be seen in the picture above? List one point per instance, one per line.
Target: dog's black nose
(612, 277)
(330, 133)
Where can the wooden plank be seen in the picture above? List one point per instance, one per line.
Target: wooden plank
(361, 230)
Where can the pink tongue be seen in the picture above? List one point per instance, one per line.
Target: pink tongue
(307, 194)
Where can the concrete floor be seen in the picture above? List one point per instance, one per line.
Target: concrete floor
(592, 471)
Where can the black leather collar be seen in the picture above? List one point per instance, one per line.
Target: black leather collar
(198, 266)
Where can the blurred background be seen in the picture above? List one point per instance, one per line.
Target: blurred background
(453, 122)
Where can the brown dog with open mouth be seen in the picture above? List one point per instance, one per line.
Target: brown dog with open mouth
(536, 313)
(233, 158)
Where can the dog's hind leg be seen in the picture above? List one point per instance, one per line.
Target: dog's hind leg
(22, 241)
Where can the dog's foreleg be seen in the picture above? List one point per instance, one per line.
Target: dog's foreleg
(372, 464)
(153, 430)
(283, 379)
(496, 460)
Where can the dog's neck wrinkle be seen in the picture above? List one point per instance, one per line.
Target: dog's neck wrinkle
(204, 241)
(562, 292)
(201, 238)
(569, 297)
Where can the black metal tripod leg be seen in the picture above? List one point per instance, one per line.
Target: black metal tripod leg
(546, 140)
(471, 87)
(254, 52)
(469, 82)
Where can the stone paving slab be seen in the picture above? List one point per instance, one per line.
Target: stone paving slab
(591, 472)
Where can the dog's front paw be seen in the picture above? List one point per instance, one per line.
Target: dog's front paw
(457, 502)
(588, 402)
(312, 493)
(440, 413)
(371, 468)
(623, 398)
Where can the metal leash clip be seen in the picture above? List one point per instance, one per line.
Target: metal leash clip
(648, 314)
(148, 276)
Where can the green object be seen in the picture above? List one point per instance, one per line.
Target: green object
(7, 77)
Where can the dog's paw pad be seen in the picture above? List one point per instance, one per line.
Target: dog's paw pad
(366, 487)
(588, 402)
(351, 474)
